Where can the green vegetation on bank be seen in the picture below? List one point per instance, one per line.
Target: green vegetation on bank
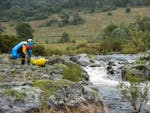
(131, 38)
(99, 34)
(50, 86)
(73, 73)
(135, 92)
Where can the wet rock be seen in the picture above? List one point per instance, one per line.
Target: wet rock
(20, 78)
(58, 59)
(71, 96)
(110, 70)
(81, 59)
(140, 69)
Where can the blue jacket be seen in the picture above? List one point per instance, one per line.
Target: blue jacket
(29, 48)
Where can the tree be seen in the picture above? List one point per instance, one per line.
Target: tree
(128, 10)
(24, 30)
(136, 93)
(143, 23)
(65, 37)
(77, 19)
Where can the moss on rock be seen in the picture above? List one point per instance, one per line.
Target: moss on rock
(50, 86)
(73, 72)
(15, 94)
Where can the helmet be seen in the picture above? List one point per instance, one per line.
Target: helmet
(29, 40)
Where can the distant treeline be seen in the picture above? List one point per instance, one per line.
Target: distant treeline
(40, 9)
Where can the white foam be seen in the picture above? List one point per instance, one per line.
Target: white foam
(98, 76)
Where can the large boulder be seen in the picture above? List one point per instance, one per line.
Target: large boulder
(140, 69)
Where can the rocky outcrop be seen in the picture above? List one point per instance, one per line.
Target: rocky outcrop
(23, 88)
(140, 69)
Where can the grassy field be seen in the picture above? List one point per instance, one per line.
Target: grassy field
(94, 25)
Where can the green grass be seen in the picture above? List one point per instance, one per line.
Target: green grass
(72, 48)
(73, 72)
(94, 25)
(50, 86)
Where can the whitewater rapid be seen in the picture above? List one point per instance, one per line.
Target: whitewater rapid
(98, 76)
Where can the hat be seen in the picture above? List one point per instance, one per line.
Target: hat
(29, 40)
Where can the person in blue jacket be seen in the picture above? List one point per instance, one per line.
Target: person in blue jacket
(29, 49)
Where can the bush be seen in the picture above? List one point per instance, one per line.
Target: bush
(110, 45)
(109, 13)
(52, 22)
(128, 10)
(135, 45)
(7, 43)
(24, 30)
(39, 50)
(64, 37)
(73, 72)
(81, 45)
(135, 92)
(76, 19)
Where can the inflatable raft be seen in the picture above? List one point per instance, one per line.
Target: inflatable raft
(16, 50)
(38, 61)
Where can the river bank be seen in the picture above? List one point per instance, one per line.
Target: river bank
(25, 89)
(30, 88)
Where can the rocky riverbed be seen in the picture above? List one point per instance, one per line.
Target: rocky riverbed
(27, 88)
(91, 88)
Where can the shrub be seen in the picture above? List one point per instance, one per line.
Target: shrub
(39, 50)
(6, 40)
(109, 13)
(133, 46)
(76, 19)
(52, 22)
(110, 45)
(81, 45)
(135, 92)
(73, 72)
(128, 10)
(64, 37)
(92, 10)
(24, 30)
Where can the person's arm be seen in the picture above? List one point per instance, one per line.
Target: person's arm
(32, 43)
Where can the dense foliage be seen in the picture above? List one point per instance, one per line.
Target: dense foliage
(64, 38)
(127, 39)
(7, 42)
(24, 30)
(40, 9)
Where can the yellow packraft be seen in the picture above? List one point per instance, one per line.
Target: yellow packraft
(38, 61)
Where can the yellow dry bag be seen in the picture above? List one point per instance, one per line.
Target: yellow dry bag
(38, 61)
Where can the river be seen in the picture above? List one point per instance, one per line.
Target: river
(107, 83)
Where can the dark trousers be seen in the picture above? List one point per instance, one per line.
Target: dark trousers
(23, 59)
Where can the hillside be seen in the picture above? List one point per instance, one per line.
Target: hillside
(93, 26)
(26, 10)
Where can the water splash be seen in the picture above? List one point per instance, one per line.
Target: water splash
(98, 76)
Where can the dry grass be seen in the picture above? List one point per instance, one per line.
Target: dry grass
(94, 24)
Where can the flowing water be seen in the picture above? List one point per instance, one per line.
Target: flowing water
(106, 83)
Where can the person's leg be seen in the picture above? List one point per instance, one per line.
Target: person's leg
(29, 58)
(23, 60)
